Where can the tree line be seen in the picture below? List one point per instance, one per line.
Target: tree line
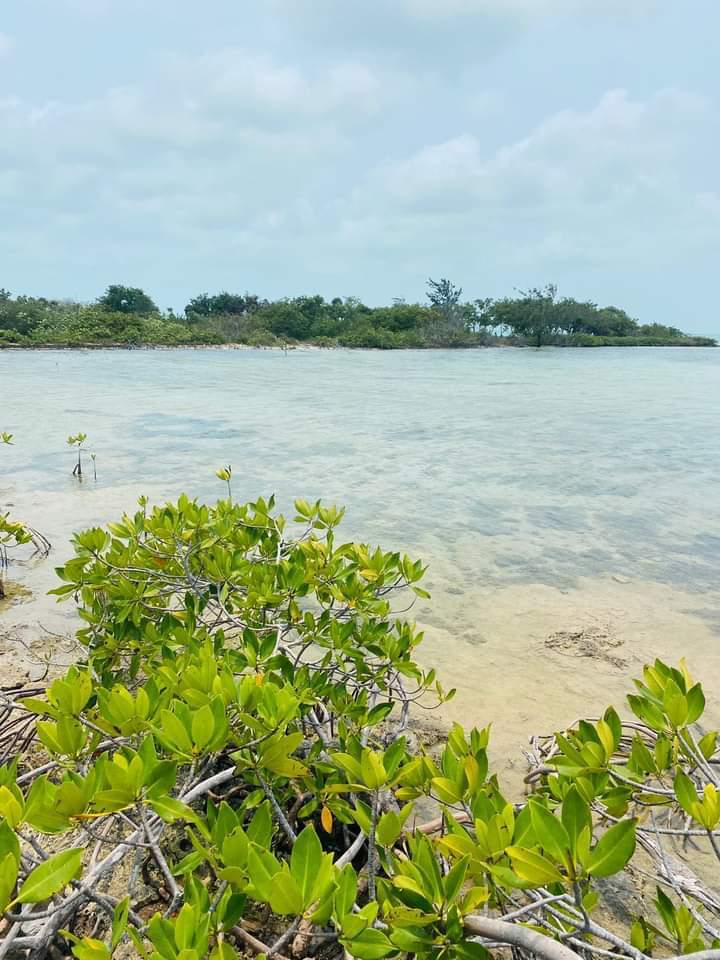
(129, 316)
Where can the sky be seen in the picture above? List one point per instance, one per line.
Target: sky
(357, 147)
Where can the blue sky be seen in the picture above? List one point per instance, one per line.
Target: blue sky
(355, 148)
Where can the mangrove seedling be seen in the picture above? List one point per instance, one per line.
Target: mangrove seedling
(6, 438)
(77, 441)
(93, 457)
(12, 533)
(225, 473)
(15, 533)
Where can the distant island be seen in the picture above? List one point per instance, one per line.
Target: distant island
(127, 316)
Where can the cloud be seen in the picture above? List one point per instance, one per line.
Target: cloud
(301, 146)
(6, 45)
(224, 148)
(594, 186)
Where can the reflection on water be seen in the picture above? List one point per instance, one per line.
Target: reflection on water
(522, 477)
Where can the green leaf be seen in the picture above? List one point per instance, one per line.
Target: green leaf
(373, 770)
(173, 731)
(371, 944)
(52, 876)
(169, 809)
(675, 704)
(346, 890)
(455, 878)
(90, 949)
(305, 862)
(612, 719)
(575, 815)
(11, 809)
(533, 867)
(666, 909)
(379, 713)
(260, 828)
(8, 877)
(685, 792)
(203, 726)
(223, 951)
(388, 829)
(411, 940)
(185, 925)
(262, 870)
(613, 850)
(647, 711)
(708, 744)
(119, 921)
(549, 831)
(695, 702)
(286, 896)
(606, 736)
(446, 789)
(9, 842)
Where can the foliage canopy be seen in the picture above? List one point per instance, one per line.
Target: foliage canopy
(128, 316)
(240, 726)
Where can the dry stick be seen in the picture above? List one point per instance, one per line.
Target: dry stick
(673, 881)
(531, 907)
(432, 826)
(284, 938)
(173, 888)
(596, 931)
(40, 941)
(516, 936)
(352, 851)
(257, 945)
(12, 933)
(372, 854)
(714, 844)
(699, 955)
(277, 809)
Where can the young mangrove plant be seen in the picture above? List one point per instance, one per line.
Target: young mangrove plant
(77, 441)
(15, 533)
(225, 473)
(12, 534)
(238, 733)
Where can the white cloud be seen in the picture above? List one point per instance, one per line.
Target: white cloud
(228, 148)
(599, 185)
(6, 45)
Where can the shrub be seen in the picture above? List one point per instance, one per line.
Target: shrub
(262, 338)
(239, 726)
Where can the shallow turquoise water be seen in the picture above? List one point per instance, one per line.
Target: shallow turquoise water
(558, 469)
(553, 463)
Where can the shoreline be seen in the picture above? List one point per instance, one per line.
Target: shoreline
(339, 347)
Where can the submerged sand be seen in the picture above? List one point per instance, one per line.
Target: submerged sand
(533, 658)
(527, 658)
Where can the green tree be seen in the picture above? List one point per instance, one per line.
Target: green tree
(534, 315)
(222, 304)
(444, 297)
(132, 300)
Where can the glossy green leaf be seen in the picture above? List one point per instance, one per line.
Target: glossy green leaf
(52, 876)
(614, 849)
